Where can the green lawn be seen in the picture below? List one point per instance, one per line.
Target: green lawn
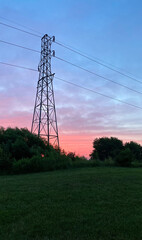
(79, 204)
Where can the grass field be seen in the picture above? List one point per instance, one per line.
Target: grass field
(79, 204)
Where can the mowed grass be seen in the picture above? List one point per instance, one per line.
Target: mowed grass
(79, 204)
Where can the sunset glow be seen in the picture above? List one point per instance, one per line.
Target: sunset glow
(82, 115)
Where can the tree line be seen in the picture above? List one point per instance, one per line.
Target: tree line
(24, 152)
(113, 148)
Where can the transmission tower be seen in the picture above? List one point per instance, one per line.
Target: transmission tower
(44, 121)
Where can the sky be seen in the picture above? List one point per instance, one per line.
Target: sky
(106, 30)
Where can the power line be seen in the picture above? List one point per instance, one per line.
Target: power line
(74, 84)
(84, 54)
(90, 90)
(21, 25)
(30, 49)
(86, 70)
(7, 25)
(16, 45)
(17, 66)
(70, 48)
(96, 61)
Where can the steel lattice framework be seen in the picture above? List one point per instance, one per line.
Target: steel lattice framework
(44, 117)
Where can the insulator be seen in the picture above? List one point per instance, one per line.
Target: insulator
(53, 53)
(53, 38)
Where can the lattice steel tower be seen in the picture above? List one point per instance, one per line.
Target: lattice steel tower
(44, 117)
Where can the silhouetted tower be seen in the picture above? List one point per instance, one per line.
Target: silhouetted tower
(44, 118)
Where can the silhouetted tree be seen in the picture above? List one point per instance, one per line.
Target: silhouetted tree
(106, 147)
(124, 158)
(135, 149)
(72, 156)
(20, 143)
(21, 152)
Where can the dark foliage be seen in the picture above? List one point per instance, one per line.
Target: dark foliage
(72, 156)
(5, 162)
(135, 149)
(111, 151)
(20, 143)
(23, 152)
(124, 158)
(106, 147)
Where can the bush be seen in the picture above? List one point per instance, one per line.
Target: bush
(20, 149)
(109, 162)
(136, 164)
(5, 161)
(81, 163)
(28, 165)
(41, 164)
(124, 158)
(96, 163)
(63, 162)
(72, 156)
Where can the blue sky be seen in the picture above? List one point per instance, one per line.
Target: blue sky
(109, 30)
